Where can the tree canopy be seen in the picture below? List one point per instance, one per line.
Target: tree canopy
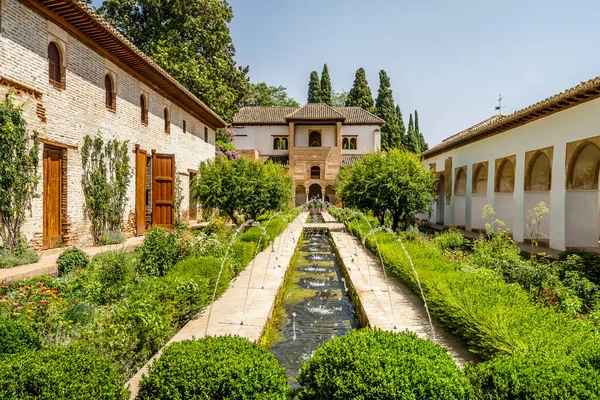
(314, 88)
(190, 39)
(382, 182)
(339, 99)
(243, 187)
(386, 110)
(401, 126)
(325, 93)
(261, 94)
(412, 140)
(360, 94)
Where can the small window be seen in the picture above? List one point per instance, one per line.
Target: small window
(314, 139)
(143, 109)
(184, 126)
(111, 94)
(280, 143)
(276, 143)
(349, 143)
(206, 134)
(315, 173)
(56, 72)
(167, 116)
(353, 144)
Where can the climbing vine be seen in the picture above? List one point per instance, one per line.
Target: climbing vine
(18, 173)
(178, 199)
(106, 177)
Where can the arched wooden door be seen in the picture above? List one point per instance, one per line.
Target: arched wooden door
(163, 190)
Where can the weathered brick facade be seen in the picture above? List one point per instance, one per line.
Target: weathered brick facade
(64, 117)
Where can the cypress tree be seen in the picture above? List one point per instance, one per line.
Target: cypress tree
(360, 94)
(412, 141)
(386, 110)
(326, 92)
(401, 126)
(416, 121)
(314, 88)
(422, 143)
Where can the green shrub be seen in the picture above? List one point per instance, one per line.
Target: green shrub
(158, 253)
(241, 254)
(17, 338)
(533, 377)
(59, 373)
(204, 267)
(451, 239)
(497, 252)
(110, 237)
(115, 273)
(71, 260)
(215, 368)
(590, 263)
(254, 235)
(366, 364)
(9, 259)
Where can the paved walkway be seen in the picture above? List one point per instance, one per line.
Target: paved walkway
(256, 288)
(46, 265)
(406, 309)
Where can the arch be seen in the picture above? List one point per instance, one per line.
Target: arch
(345, 144)
(55, 66)
(110, 94)
(300, 189)
(353, 143)
(538, 176)
(460, 183)
(584, 167)
(167, 117)
(276, 143)
(330, 194)
(314, 139)
(284, 144)
(480, 179)
(314, 191)
(143, 109)
(505, 176)
(315, 172)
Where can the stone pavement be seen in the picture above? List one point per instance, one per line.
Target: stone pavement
(247, 305)
(405, 310)
(46, 265)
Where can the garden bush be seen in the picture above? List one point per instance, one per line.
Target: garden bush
(72, 259)
(12, 258)
(366, 364)
(158, 253)
(451, 239)
(17, 338)
(205, 267)
(215, 368)
(110, 237)
(242, 253)
(115, 273)
(59, 373)
(590, 263)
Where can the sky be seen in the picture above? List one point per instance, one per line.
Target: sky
(448, 59)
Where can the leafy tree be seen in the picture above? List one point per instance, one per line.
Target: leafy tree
(412, 140)
(422, 143)
(242, 186)
(360, 94)
(382, 182)
(339, 99)
(260, 94)
(325, 92)
(18, 177)
(401, 126)
(190, 39)
(385, 109)
(314, 88)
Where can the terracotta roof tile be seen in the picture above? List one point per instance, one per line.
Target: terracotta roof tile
(358, 115)
(257, 115)
(262, 115)
(315, 112)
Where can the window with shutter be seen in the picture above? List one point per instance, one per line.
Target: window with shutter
(206, 134)
(55, 69)
(111, 94)
(144, 109)
(167, 121)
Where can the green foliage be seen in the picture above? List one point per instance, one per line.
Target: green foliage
(394, 181)
(260, 94)
(314, 88)
(105, 179)
(11, 258)
(451, 239)
(401, 127)
(158, 253)
(421, 139)
(110, 237)
(325, 92)
(590, 263)
(18, 178)
(360, 94)
(339, 99)
(208, 268)
(115, 273)
(72, 259)
(386, 110)
(215, 368)
(243, 252)
(16, 337)
(366, 364)
(59, 373)
(242, 186)
(412, 138)
(191, 41)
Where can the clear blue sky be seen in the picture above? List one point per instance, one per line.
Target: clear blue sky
(449, 59)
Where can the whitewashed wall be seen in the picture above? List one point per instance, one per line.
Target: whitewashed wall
(260, 138)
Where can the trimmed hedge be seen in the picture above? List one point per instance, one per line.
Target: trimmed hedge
(71, 260)
(17, 338)
(215, 368)
(59, 373)
(367, 364)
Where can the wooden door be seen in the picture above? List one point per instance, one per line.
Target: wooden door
(163, 190)
(52, 198)
(140, 192)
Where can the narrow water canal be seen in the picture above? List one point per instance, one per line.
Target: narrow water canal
(315, 306)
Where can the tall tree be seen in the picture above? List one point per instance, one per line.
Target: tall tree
(385, 109)
(260, 94)
(314, 88)
(422, 143)
(416, 121)
(326, 92)
(190, 39)
(360, 94)
(401, 126)
(412, 141)
(339, 99)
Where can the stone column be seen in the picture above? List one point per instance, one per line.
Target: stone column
(469, 197)
(338, 126)
(519, 198)
(291, 145)
(558, 201)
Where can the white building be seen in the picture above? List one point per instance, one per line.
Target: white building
(549, 151)
(315, 140)
(76, 76)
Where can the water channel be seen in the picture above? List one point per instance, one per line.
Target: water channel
(315, 306)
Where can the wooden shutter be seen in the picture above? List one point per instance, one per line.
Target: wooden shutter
(111, 94)
(52, 198)
(55, 71)
(140, 192)
(144, 109)
(163, 190)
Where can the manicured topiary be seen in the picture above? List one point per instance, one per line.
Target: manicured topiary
(16, 337)
(215, 368)
(71, 260)
(59, 373)
(367, 364)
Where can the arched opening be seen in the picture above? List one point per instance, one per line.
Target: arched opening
(345, 143)
(314, 192)
(143, 110)
(300, 195)
(330, 195)
(276, 143)
(110, 94)
(315, 172)
(440, 200)
(314, 139)
(479, 198)
(460, 186)
(505, 181)
(504, 186)
(353, 144)
(283, 144)
(55, 69)
(538, 173)
(583, 171)
(460, 200)
(167, 116)
(480, 179)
